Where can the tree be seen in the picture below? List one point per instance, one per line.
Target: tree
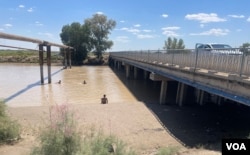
(100, 28)
(78, 37)
(174, 45)
(243, 48)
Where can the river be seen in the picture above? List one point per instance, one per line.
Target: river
(20, 86)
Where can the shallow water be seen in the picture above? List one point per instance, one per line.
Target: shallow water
(20, 85)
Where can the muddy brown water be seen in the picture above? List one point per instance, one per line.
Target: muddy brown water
(193, 125)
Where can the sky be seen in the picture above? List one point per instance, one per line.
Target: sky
(140, 24)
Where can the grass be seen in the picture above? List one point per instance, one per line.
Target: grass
(168, 151)
(63, 137)
(26, 56)
(9, 129)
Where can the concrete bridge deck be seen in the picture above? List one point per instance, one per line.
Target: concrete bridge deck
(222, 82)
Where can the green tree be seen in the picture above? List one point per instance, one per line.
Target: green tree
(174, 45)
(100, 27)
(243, 48)
(78, 37)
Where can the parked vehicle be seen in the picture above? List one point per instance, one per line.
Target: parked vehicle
(217, 48)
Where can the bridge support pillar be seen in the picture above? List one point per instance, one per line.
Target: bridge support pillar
(119, 65)
(163, 94)
(145, 74)
(41, 62)
(127, 67)
(65, 59)
(200, 97)
(218, 100)
(135, 72)
(69, 60)
(181, 93)
(164, 86)
(49, 63)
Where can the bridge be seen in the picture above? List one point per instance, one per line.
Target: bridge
(200, 75)
(41, 44)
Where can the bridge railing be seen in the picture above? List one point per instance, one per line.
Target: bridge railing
(229, 62)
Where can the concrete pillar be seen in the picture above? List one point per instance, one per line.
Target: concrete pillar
(41, 62)
(49, 63)
(65, 58)
(218, 100)
(127, 67)
(163, 93)
(69, 52)
(201, 97)
(181, 94)
(135, 72)
(145, 74)
(118, 65)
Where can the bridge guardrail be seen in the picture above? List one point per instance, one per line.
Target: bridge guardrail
(231, 63)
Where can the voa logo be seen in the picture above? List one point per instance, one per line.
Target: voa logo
(236, 146)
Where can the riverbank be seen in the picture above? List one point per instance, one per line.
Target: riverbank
(16, 56)
(131, 122)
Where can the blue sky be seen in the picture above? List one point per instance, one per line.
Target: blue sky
(141, 24)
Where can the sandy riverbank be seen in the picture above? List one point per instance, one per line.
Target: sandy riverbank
(134, 123)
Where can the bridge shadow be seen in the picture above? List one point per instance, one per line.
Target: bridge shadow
(30, 86)
(192, 125)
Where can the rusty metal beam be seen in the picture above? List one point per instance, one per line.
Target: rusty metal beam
(20, 38)
(40, 42)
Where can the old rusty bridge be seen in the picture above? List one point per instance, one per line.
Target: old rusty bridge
(41, 44)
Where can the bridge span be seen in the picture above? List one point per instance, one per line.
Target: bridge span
(199, 75)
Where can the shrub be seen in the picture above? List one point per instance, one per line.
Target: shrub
(61, 137)
(168, 151)
(96, 143)
(9, 129)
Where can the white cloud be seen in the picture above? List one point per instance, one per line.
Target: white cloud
(202, 25)
(171, 31)
(1, 29)
(145, 36)
(132, 30)
(123, 39)
(99, 13)
(248, 19)
(164, 15)
(147, 31)
(30, 10)
(213, 32)
(21, 6)
(205, 18)
(8, 25)
(137, 25)
(37, 23)
(172, 28)
(237, 16)
(122, 21)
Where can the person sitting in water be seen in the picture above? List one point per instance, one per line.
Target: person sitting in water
(104, 100)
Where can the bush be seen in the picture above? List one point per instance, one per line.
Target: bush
(168, 151)
(9, 130)
(96, 143)
(61, 137)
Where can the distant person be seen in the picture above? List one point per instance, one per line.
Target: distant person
(104, 100)
(59, 82)
(84, 82)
